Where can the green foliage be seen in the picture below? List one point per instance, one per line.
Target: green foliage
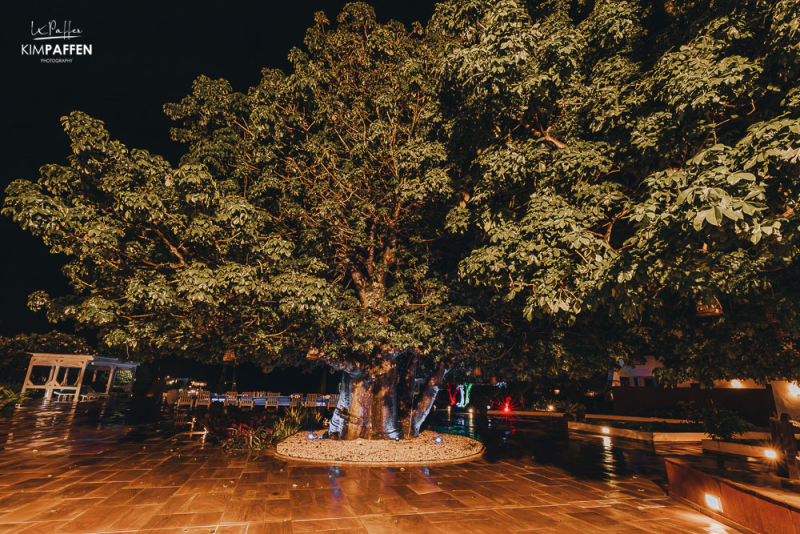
(234, 430)
(9, 397)
(285, 427)
(296, 419)
(570, 407)
(15, 351)
(540, 188)
(621, 163)
(245, 437)
(722, 424)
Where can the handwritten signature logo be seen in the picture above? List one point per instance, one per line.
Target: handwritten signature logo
(52, 30)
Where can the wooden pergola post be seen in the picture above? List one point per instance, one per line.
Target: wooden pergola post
(79, 384)
(111, 377)
(27, 376)
(48, 393)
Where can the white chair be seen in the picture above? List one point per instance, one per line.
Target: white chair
(185, 401)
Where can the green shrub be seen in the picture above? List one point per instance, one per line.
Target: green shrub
(9, 397)
(295, 420)
(246, 437)
(232, 434)
(284, 428)
(722, 424)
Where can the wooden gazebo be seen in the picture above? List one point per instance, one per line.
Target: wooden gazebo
(61, 366)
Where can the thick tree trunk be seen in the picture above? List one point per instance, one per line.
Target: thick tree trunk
(367, 406)
(384, 403)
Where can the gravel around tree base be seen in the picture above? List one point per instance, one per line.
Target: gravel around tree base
(422, 450)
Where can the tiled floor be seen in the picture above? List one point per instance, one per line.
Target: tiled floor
(61, 471)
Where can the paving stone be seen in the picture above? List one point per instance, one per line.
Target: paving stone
(87, 478)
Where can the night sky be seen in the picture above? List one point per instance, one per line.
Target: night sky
(144, 55)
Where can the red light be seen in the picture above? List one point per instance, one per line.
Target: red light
(506, 406)
(452, 396)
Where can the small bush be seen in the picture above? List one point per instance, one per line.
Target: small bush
(722, 424)
(295, 420)
(284, 428)
(225, 429)
(9, 397)
(246, 437)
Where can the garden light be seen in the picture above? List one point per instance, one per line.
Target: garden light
(438, 440)
(794, 389)
(311, 436)
(736, 383)
(606, 430)
(769, 453)
(550, 408)
(713, 502)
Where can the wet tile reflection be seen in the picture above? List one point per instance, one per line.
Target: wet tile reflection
(91, 468)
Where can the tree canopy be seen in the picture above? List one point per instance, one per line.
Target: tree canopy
(530, 187)
(634, 160)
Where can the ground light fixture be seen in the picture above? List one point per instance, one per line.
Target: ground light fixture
(311, 436)
(438, 440)
(771, 454)
(736, 383)
(794, 389)
(713, 502)
(606, 430)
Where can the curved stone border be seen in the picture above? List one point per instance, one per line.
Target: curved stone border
(298, 448)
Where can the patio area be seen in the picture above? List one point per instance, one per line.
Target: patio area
(67, 468)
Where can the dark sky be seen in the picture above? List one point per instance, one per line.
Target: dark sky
(144, 54)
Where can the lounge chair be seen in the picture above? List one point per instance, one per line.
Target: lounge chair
(203, 399)
(185, 401)
(333, 401)
(273, 400)
(295, 400)
(231, 397)
(88, 393)
(311, 400)
(246, 400)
